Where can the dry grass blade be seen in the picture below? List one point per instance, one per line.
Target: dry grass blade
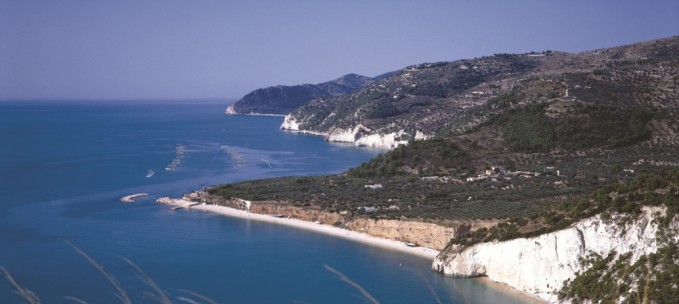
(200, 296)
(353, 284)
(187, 300)
(24, 293)
(431, 289)
(74, 299)
(158, 295)
(122, 295)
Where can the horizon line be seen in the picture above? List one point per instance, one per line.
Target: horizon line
(130, 99)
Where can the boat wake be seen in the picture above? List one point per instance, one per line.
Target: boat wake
(178, 157)
(237, 157)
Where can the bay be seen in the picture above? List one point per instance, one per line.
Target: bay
(65, 165)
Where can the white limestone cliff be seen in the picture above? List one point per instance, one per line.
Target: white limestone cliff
(290, 123)
(364, 137)
(346, 136)
(389, 140)
(359, 135)
(541, 264)
(230, 110)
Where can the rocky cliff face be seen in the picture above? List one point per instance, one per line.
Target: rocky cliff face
(424, 234)
(359, 135)
(540, 265)
(283, 99)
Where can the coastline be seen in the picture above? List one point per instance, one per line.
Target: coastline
(530, 298)
(355, 236)
(320, 228)
(259, 114)
(231, 111)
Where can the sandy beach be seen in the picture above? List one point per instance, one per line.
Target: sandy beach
(338, 232)
(529, 298)
(326, 229)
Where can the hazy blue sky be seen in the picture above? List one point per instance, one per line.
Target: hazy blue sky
(179, 48)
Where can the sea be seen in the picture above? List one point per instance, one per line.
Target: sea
(66, 237)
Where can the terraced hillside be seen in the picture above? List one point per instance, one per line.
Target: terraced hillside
(424, 100)
(568, 161)
(548, 127)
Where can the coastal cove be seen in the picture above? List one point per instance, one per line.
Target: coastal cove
(70, 164)
(424, 252)
(419, 251)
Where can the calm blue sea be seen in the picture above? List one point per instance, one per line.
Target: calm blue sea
(64, 167)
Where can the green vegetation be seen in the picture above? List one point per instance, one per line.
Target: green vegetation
(647, 189)
(530, 129)
(419, 90)
(432, 199)
(381, 109)
(438, 156)
(231, 191)
(317, 113)
(503, 101)
(563, 125)
(427, 180)
(653, 278)
(596, 283)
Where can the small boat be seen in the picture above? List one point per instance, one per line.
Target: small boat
(150, 173)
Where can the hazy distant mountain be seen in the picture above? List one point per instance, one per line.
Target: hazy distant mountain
(284, 99)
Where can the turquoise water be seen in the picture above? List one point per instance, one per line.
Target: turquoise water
(64, 167)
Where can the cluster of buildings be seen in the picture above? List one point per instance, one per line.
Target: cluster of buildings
(496, 172)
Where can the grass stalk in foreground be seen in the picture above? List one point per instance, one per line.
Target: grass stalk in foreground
(200, 296)
(187, 300)
(121, 294)
(74, 299)
(353, 284)
(158, 294)
(23, 292)
(431, 289)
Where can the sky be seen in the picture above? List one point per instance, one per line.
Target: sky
(95, 49)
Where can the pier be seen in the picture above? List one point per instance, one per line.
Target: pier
(131, 198)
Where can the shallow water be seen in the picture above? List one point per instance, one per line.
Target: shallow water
(64, 167)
